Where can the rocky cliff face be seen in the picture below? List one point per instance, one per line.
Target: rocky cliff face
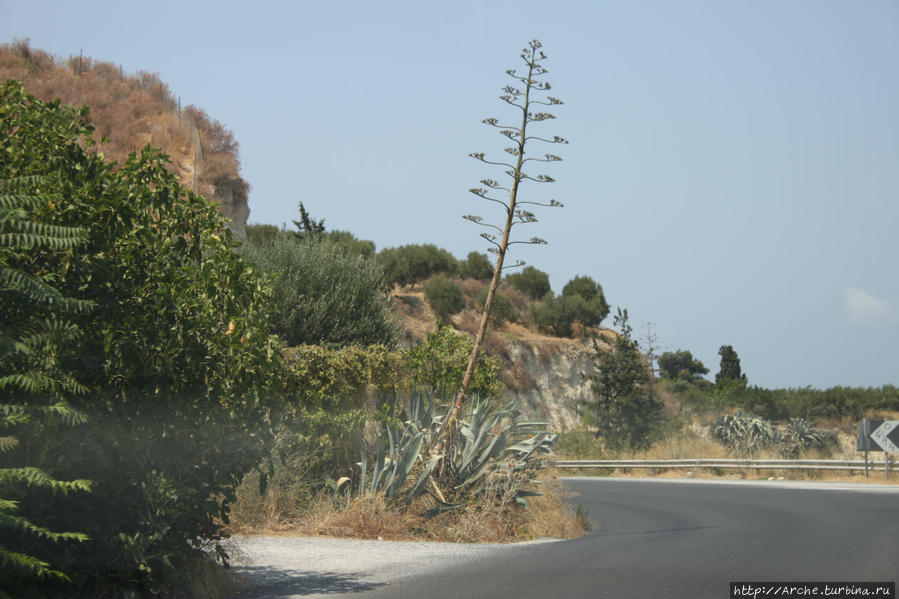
(231, 196)
(549, 378)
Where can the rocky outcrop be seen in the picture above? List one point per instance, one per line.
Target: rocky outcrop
(231, 196)
(549, 378)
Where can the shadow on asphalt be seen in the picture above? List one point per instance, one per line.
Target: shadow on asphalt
(653, 532)
(268, 583)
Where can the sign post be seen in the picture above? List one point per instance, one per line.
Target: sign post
(879, 435)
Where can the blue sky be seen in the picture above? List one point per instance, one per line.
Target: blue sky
(732, 176)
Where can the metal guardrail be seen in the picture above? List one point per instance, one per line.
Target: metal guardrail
(874, 465)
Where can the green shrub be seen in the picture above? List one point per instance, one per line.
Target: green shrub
(323, 295)
(180, 373)
(330, 395)
(444, 296)
(34, 329)
(582, 301)
(409, 264)
(503, 308)
(579, 444)
(439, 364)
(347, 242)
(533, 283)
(624, 408)
(594, 309)
(476, 266)
(259, 234)
(681, 365)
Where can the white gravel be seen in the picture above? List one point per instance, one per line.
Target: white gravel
(286, 567)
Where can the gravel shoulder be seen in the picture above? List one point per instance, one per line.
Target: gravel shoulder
(295, 567)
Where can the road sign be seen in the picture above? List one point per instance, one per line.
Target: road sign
(878, 435)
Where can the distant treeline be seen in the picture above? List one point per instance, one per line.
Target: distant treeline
(780, 404)
(783, 404)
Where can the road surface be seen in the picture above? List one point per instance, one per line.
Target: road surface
(656, 539)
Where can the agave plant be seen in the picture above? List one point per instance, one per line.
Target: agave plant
(800, 435)
(744, 433)
(397, 449)
(491, 454)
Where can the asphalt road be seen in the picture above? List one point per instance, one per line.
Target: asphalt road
(660, 539)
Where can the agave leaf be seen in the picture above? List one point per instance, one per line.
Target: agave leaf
(530, 494)
(542, 424)
(425, 474)
(404, 466)
(379, 468)
(442, 509)
(362, 466)
(391, 447)
(474, 476)
(484, 429)
(495, 447)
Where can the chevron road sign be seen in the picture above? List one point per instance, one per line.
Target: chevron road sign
(878, 435)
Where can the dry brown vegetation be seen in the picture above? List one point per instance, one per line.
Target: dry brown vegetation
(367, 517)
(692, 440)
(131, 111)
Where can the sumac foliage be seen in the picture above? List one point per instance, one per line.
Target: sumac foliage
(176, 364)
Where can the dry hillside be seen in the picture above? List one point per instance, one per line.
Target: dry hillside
(546, 374)
(131, 111)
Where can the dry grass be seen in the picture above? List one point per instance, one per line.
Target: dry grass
(131, 111)
(517, 377)
(549, 515)
(692, 441)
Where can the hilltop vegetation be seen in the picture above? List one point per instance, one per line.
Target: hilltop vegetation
(131, 111)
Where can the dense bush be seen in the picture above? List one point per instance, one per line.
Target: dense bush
(323, 295)
(476, 266)
(34, 330)
(585, 287)
(175, 358)
(560, 313)
(260, 234)
(440, 363)
(503, 309)
(781, 404)
(349, 244)
(444, 296)
(331, 394)
(624, 409)
(531, 282)
(409, 264)
(681, 365)
(582, 301)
